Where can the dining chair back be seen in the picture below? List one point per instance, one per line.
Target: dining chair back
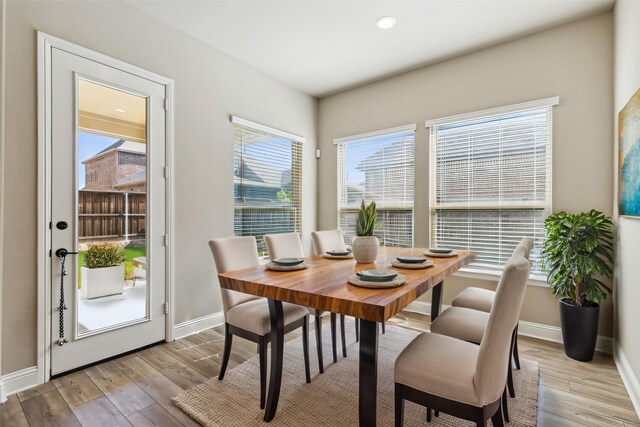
(234, 253)
(284, 245)
(494, 353)
(524, 247)
(327, 240)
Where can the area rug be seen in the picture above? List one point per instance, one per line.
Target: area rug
(331, 399)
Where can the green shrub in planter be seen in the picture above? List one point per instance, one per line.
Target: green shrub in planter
(102, 255)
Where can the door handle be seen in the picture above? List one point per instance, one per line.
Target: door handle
(62, 252)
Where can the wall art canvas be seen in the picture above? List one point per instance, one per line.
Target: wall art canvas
(629, 157)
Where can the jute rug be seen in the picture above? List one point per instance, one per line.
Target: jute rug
(331, 399)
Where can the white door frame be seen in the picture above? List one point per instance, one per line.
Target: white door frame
(46, 43)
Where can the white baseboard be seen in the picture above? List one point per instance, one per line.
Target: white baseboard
(527, 329)
(18, 381)
(631, 382)
(194, 326)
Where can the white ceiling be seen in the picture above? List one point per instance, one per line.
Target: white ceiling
(323, 47)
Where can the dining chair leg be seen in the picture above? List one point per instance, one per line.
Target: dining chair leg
(228, 338)
(333, 338)
(496, 419)
(505, 407)
(305, 350)
(318, 322)
(480, 420)
(512, 390)
(357, 329)
(399, 406)
(516, 357)
(383, 329)
(344, 338)
(429, 415)
(262, 351)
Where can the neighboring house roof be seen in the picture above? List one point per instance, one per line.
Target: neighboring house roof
(257, 172)
(372, 162)
(137, 178)
(121, 145)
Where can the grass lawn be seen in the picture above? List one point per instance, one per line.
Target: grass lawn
(130, 252)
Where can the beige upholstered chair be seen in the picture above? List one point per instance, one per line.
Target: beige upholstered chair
(468, 324)
(460, 378)
(482, 299)
(248, 316)
(289, 245)
(328, 240)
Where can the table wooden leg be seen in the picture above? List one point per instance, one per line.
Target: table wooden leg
(277, 348)
(368, 375)
(436, 300)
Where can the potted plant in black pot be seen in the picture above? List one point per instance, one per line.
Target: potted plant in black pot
(578, 253)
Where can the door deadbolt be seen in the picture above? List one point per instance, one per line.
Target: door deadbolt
(62, 225)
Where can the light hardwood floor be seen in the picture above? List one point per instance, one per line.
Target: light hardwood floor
(137, 389)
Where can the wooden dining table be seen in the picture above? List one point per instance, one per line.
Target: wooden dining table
(324, 285)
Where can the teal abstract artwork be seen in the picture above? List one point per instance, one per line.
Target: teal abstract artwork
(629, 157)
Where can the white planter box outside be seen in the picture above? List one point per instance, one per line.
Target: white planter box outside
(101, 282)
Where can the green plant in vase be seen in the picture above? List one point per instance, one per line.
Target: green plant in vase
(365, 245)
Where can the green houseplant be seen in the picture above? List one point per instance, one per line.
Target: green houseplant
(578, 254)
(365, 245)
(103, 271)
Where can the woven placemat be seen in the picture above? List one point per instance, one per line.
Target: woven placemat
(397, 281)
(435, 255)
(412, 266)
(350, 256)
(276, 267)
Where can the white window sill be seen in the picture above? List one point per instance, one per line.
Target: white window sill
(480, 274)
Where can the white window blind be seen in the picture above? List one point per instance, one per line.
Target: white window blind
(379, 168)
(491, 184)
(267, 182)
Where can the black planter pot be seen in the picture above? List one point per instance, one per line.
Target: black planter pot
(579, 330)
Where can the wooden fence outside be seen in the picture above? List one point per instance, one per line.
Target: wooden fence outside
(111, 215)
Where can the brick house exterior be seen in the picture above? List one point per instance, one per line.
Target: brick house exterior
(119, 167)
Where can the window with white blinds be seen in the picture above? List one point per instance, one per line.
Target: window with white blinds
(267, 182)
(491, 183)
(378, 167)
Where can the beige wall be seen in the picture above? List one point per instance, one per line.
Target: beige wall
(573, 61)
(209, 87)
(627, 82)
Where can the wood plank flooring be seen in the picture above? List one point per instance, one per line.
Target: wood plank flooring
(136, 390)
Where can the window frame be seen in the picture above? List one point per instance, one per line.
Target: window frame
(238, 121)
(474, 272)
(412, 127)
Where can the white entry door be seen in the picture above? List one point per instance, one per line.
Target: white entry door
(108, 194)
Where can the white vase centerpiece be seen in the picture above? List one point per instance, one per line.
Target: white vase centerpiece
(365, 245)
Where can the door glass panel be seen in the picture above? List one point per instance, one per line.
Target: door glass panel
(111, 170)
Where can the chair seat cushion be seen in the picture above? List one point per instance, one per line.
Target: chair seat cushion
(439, 365)
(462, 323)
(254, 315)
(475, 298)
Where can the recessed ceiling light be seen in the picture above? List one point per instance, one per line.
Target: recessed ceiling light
(386, 22)
(120, 110)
